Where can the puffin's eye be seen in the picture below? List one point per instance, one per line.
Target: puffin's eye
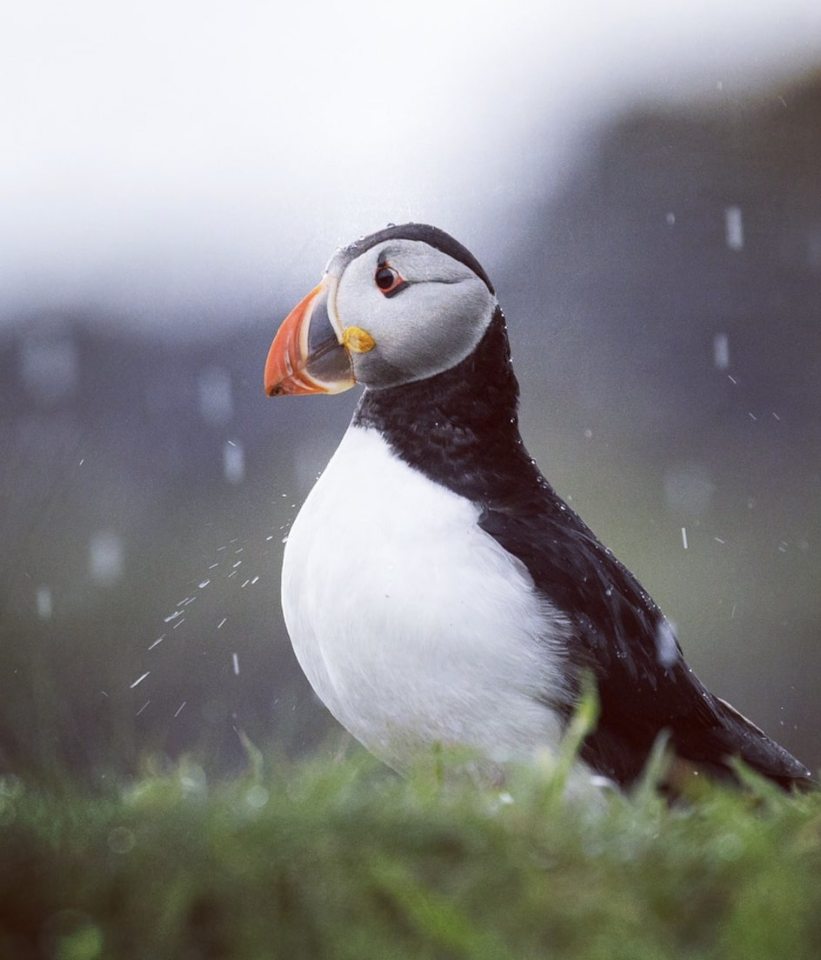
(388, 280)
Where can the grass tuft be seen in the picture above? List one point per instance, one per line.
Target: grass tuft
(317, 859)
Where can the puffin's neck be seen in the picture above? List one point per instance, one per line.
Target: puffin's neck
(460, 427)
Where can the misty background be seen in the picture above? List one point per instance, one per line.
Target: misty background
(644, 188)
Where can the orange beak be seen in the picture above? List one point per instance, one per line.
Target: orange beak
(307, 355)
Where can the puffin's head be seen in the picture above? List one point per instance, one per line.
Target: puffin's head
(400, 305)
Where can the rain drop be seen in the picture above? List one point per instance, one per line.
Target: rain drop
(233, 462)
(44, 603)
(216, 402)
(105, 557)
(734, 228)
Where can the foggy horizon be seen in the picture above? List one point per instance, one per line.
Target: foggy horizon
(187, 163)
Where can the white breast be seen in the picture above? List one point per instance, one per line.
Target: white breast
(412, 624)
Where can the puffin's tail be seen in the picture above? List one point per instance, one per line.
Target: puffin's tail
(736, 736)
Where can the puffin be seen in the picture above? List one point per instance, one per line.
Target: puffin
(437, 591)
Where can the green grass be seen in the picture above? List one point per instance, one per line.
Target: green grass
(319, 859)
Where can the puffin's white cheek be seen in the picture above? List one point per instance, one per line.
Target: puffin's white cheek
(435, 329)
(456, 318)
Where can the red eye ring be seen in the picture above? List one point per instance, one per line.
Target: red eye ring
(388, 280)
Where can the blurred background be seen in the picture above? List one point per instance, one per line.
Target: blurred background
(644, 187)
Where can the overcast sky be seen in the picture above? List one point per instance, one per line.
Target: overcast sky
(201, 154)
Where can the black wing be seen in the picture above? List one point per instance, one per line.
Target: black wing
(460, 429)
(644, 684)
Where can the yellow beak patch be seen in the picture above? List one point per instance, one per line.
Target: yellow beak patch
(357, 340)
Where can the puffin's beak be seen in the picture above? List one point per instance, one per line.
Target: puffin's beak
(307, 355)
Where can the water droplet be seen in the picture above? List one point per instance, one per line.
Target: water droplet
(666, 648)
(121, 840)
(256, 797)
(721, 351)
(216, 401)
(233, 462)
(734, 228)
(44, 603)
(105, 557)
